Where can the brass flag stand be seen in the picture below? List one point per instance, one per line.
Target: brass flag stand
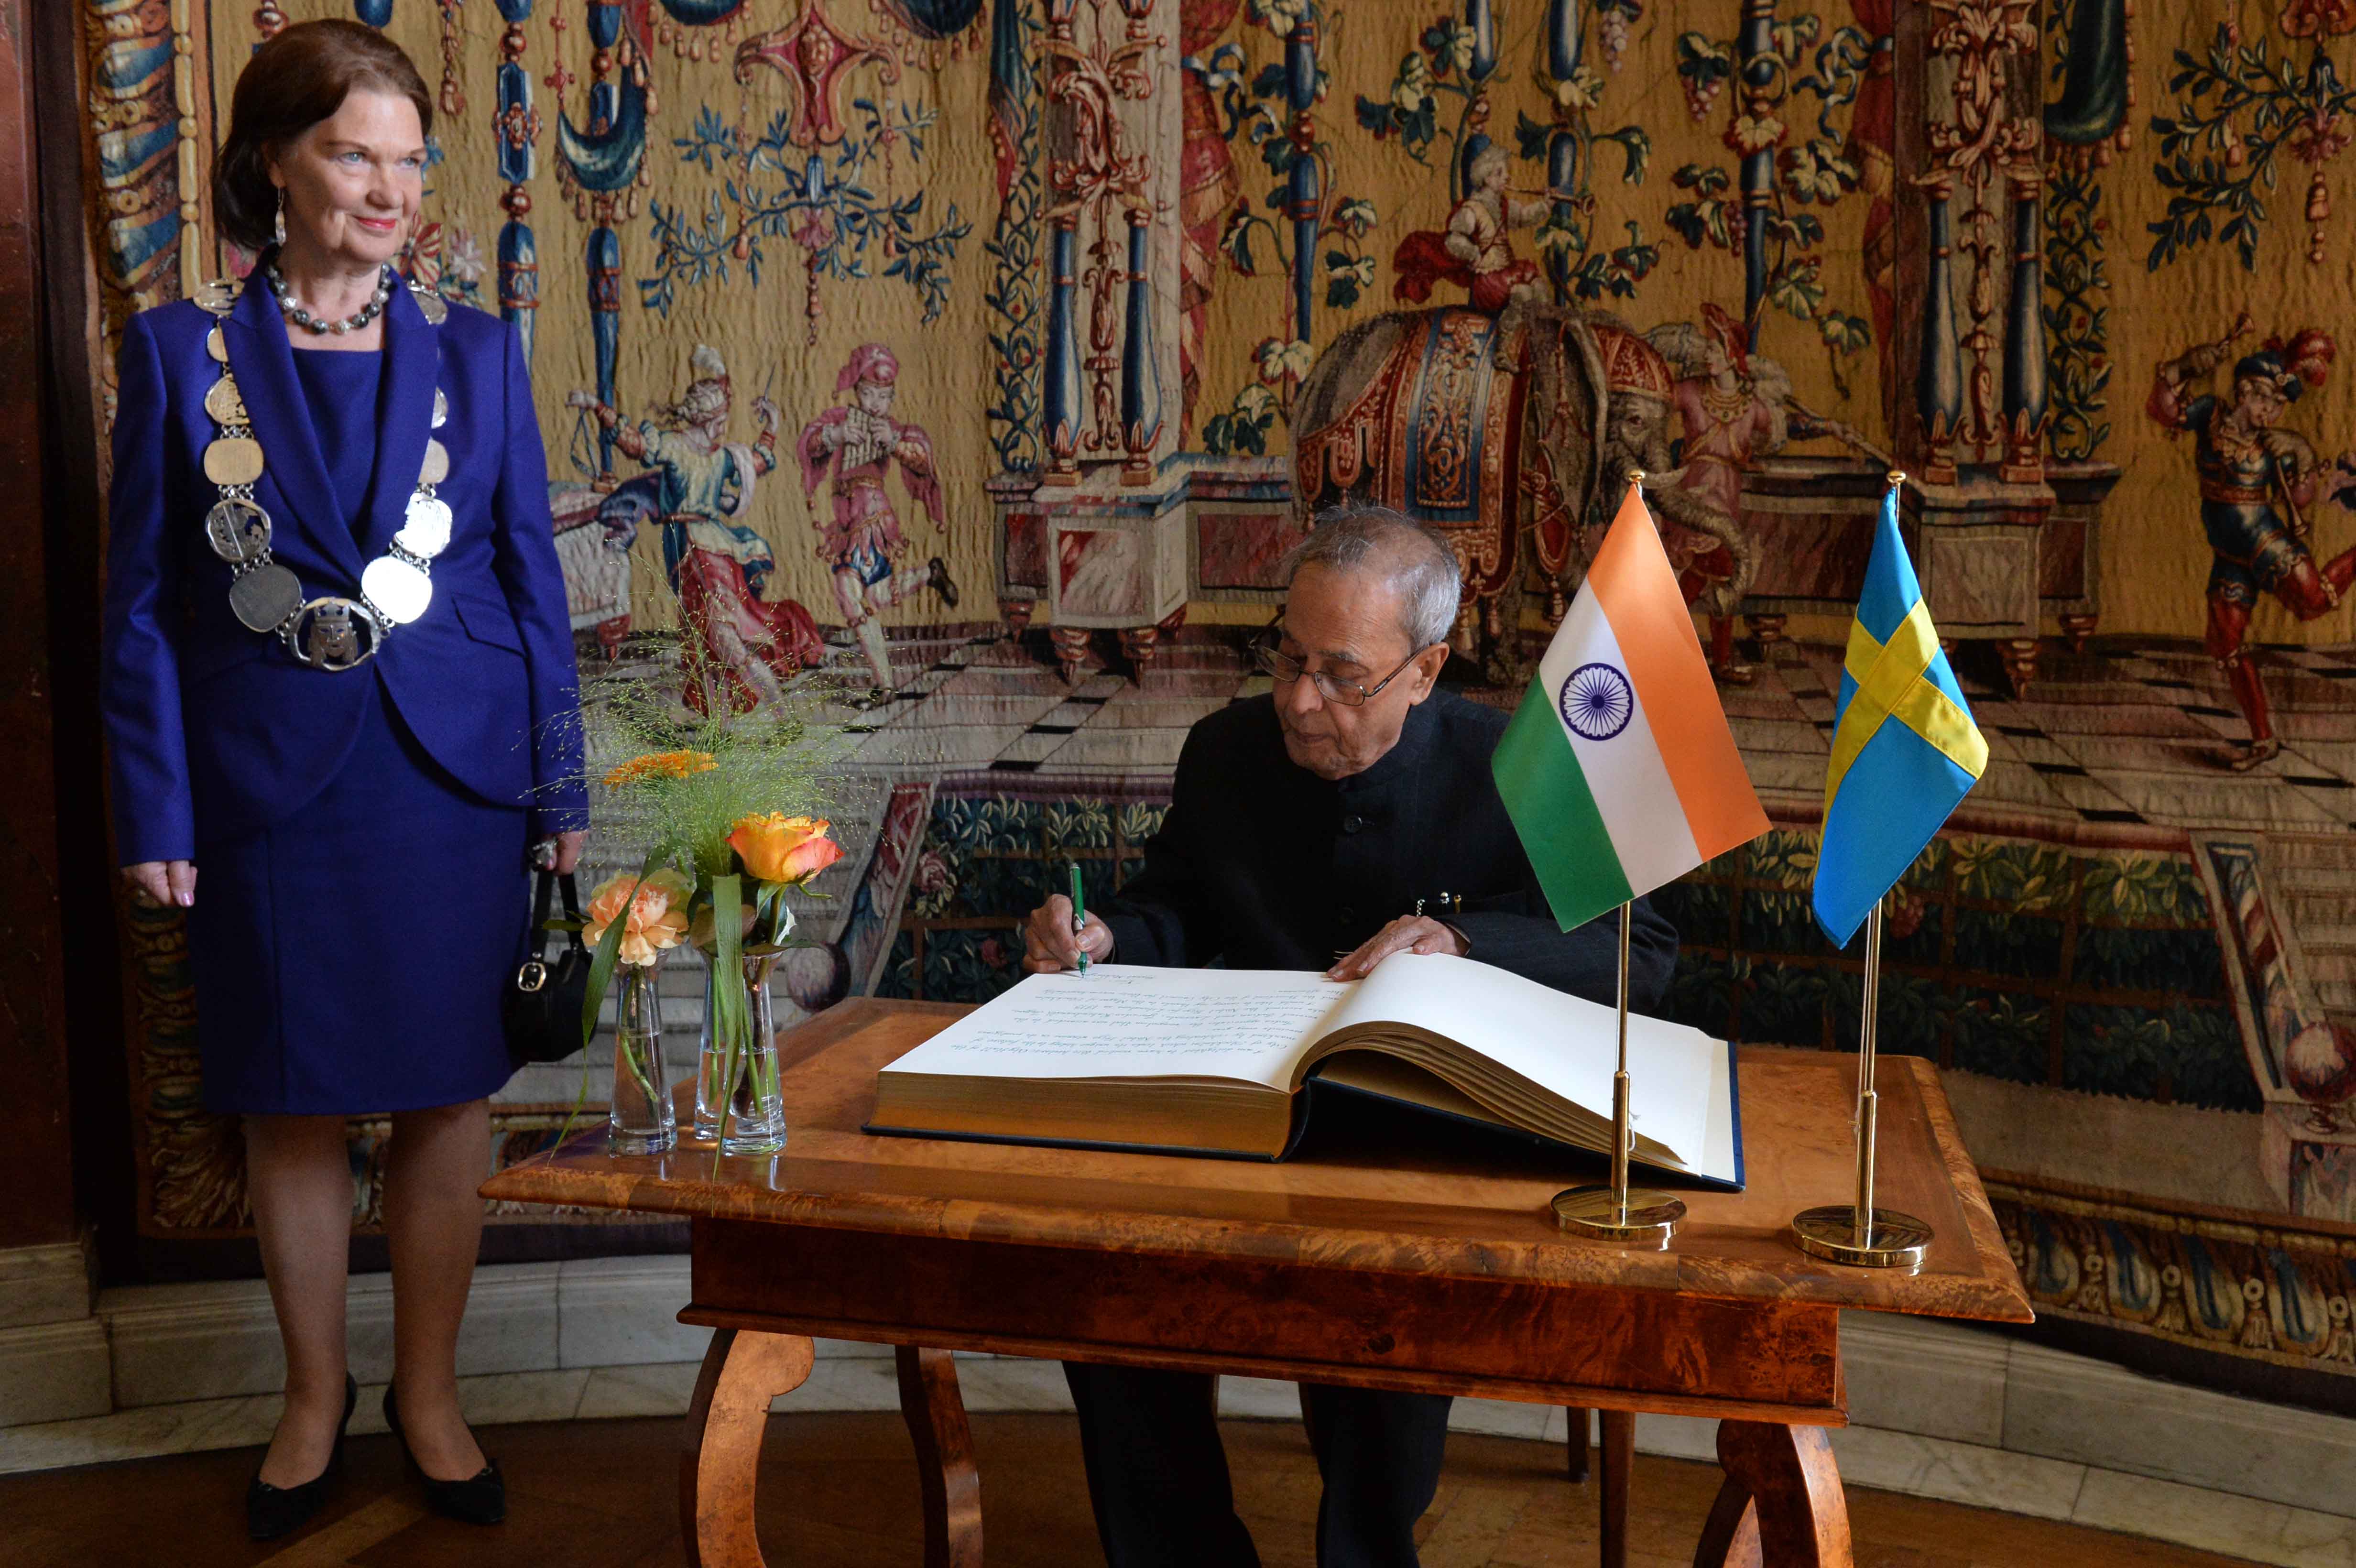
(1643, 1218)
(1859, 1232)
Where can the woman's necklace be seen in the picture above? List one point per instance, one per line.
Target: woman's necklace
(329, 633)
(355, 322)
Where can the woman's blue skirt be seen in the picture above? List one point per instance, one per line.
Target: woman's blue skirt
(352, 958)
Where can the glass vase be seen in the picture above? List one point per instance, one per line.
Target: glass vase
(739, 1099)
(639, 1120)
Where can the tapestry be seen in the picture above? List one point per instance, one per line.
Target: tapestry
(982, 357)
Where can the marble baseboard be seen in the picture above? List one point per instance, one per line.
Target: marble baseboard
(177, 1343)
(1909, 1374)
(53, 1371)
(2072, 1408)
(1973, 1386)
(616, 1312)
(44, 1284)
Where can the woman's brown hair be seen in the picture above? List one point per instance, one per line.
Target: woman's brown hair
(294, 81)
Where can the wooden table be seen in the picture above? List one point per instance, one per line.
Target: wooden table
(1434, 1272)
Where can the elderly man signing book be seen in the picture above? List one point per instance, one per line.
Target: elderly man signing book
(1347, 817)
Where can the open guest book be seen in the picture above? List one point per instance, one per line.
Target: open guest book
(1230, 1063)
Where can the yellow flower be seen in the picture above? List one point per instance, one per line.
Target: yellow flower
(776, 848)
(657, 918)
(660, 765)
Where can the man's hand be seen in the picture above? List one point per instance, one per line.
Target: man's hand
(172, 882)
(1408, 933)
(1049, 945)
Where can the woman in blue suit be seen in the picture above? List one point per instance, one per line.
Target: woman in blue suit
(340, 683)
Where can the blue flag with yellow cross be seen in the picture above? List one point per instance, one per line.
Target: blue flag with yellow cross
(1905, 751)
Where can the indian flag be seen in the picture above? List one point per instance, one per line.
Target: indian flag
(1618, 768)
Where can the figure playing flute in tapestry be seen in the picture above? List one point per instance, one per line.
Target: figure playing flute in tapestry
(743, 646)
(2260, 485)
(852, 447)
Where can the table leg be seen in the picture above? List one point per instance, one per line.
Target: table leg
(1619, 1459)
(1729, 1538)
(945, 1472)
(1577, 1444)
(720, 1455)
(1780, 1506)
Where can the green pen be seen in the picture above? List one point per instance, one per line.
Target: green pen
(1079, 917)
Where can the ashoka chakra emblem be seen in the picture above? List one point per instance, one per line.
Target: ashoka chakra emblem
(1597, 702)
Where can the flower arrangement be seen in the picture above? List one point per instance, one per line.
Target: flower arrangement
(725, 807)
(651, 907)
(647, 914)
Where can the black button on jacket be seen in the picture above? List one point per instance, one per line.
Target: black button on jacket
(1263, 865)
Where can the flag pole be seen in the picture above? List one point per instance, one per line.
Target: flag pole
(1858, 1232)
(1643, 1218)
(1612, 1213)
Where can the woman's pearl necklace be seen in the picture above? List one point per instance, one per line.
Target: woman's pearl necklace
(309, 323)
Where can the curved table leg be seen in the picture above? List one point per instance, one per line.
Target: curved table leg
(1729, 1539)
(945, 1472)
(1780, 1506)
(721, 1448)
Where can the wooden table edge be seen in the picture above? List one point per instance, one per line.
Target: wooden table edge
(1239, 1364)
(1979, 1218)
(1977, 1299)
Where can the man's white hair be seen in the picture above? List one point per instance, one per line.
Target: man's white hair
(1411, 557)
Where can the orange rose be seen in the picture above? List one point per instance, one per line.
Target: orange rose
(657, 918)
(776, 848)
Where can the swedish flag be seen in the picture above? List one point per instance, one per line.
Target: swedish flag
(1905, 751)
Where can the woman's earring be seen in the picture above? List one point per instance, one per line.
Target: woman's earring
(282, 215)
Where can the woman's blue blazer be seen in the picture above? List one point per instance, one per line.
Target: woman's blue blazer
(217, 730)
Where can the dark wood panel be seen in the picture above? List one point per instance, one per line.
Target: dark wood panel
(36, 1155)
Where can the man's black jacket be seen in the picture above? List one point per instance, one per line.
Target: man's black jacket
(1263, 865)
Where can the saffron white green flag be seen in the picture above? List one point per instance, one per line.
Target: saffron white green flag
(1618, 768)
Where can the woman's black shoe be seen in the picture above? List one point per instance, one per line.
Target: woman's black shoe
(272, 1512)
(480, 1499)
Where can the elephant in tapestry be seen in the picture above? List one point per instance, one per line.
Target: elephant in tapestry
(1513, 434)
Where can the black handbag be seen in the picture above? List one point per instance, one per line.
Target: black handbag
(542, 1011)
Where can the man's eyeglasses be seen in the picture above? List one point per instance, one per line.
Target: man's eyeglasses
(1284, 669)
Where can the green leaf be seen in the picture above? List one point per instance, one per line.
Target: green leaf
(730, 1024)
(1637, 145)
(1530, 136)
